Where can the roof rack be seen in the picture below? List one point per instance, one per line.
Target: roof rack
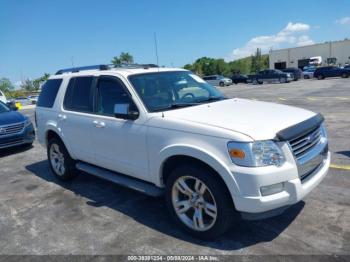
(104, 67)
(82, 68)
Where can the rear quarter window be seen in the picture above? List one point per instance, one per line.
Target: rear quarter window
(49, 92)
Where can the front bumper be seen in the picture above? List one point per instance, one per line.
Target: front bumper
(26, 136)
(294, 191)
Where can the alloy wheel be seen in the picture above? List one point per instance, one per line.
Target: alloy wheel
(57, 160)
(193, 203)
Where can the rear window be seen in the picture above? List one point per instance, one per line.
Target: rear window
(79, 95)
(49, 92)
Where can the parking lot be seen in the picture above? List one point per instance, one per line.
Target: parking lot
(41, 215)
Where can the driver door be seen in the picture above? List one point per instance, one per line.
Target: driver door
(120, 144)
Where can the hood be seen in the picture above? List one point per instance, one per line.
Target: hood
(258, 120)
(11, 117)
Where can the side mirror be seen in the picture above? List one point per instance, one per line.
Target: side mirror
(123, 111)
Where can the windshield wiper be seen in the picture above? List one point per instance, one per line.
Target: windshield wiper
(174, 105)
(212, 98)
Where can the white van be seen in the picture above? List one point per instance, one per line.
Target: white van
(3, 97)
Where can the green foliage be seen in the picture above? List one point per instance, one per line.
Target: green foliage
(5, 84)
(39, 81)
(123, 58)
(210, 66)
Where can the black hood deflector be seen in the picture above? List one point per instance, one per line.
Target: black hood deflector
(300, 128)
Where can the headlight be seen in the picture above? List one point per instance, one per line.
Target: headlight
(323, 134)
(27, 122)
(255, 154)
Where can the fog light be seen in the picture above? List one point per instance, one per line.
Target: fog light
(272, 189)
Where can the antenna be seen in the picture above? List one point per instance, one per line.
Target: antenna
(156, 48)
(72, 61)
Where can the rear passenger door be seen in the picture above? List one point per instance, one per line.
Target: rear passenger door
(119, 144)
(75, 120)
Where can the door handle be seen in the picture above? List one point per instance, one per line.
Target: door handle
(62, 117)
(99, 124)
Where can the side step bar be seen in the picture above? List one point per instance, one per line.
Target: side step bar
(129, 182)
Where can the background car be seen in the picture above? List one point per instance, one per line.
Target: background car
(331, 71)
(15, 128)
(296, 72)
(23, 100)
(309, 73)
(33, 99)
(239, 78)
(218, 80)
(270, 75)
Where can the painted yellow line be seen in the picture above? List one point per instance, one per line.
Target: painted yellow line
(311, 98)
(281, 98)
(343, 167)
(342, 98)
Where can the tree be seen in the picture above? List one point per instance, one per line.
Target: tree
(39, 81)
(27, 85)
(257, 63)
(123, 58)
(5, 84)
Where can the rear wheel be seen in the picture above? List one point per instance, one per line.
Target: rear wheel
(199, 201)
(344, 75)
(62, 165)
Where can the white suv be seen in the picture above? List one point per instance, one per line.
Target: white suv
(160, 130)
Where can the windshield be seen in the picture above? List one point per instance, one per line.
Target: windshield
(169, 90)
(3, 108)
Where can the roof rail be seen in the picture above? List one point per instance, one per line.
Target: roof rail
(82, 68)
(104, 67)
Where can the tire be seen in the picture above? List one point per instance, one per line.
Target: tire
(320, 77)
(215, 195)
(221, 84)
(344, 75)
(65, 165)
(283, 80)
(255, 81)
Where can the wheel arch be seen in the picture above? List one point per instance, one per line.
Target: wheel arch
(51, 132)
(173, 156)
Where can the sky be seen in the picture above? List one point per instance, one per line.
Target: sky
(42, 36)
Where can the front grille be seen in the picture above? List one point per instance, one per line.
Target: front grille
(11, 129)
(303, 144)
(11, 142)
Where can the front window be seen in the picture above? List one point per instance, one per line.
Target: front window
(169, 90)
(3, 108)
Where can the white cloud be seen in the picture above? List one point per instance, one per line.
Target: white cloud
(304, 40)
(343, 21)
(290, 35)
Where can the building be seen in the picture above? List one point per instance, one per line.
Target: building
(329, 53)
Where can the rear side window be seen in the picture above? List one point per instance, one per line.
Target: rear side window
(79, 95)
(49, 92)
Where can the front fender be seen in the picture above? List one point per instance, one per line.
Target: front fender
(201, 154)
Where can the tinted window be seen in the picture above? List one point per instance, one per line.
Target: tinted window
(79, 95)
(111, 91)
(49, 92)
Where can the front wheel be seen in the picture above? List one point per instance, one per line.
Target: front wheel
(283, 80)
(62, 165)
(221, 84)
(344, 75)
(199, 201)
